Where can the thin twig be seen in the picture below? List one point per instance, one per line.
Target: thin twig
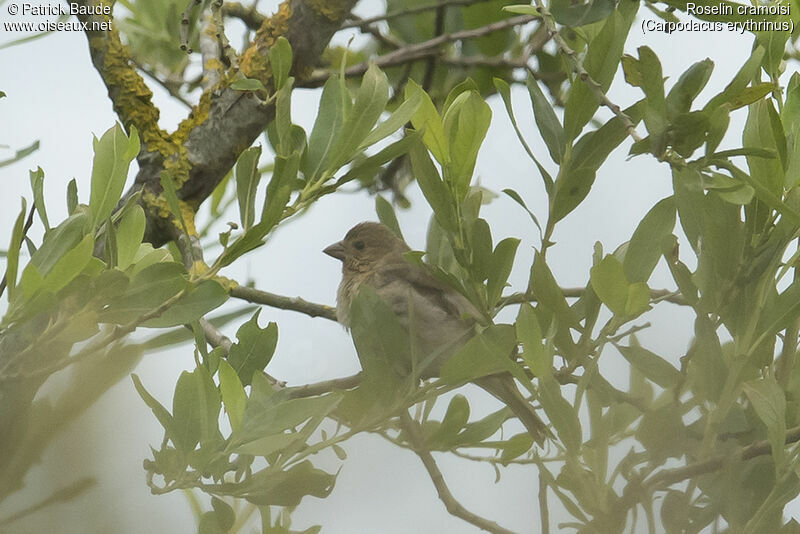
(455, 508)
(667, 477)
(576, 292)
(248, 15)
(421, 50)
(356, 23)
(438, 30)
(580, 70)
(174, 93)
(386, 40)
(284, 303)
(320, 388)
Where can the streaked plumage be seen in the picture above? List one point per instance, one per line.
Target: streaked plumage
(439, 318)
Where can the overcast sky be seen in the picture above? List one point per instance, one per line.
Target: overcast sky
(55, 95)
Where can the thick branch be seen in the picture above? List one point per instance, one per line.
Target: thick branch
(225, 121)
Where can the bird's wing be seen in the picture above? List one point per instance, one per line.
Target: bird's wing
(452, 304)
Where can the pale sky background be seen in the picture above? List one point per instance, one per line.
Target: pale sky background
(55, 95)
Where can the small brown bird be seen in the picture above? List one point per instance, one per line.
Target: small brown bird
(443, 319)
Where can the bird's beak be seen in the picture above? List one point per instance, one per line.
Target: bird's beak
(336, 251)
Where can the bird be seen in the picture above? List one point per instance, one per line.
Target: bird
(439, 318)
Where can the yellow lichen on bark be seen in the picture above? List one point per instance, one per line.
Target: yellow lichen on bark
(255, 60)
(333, 11)
(159, 205)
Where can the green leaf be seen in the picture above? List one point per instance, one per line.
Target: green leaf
(518, 199)
(72, 196)
(195, 409)
(652, 366)
(247, 177)
(150, 287)
(387, 216)
(574, 14)
(37, 185)
(602, 60)
(638, 299)
(279, 190)
(769, 402)
(113, 154)
(549, 125)
(129, 236)
(688, 86)
(370, 102)
(529, 333)
(59, 240)
(523, 10)
(384, 347)
(609, 282)
(12, 262)
(396, 120)
(21, 153)
(484, 354)
(287, 488)
(502, 262)
(465, 125)
(365, 169)
(562, 414)
(218, 521)
(731, 93)
(427, 120)
(330, 117)
(254, 348)
(198, 301)
(505, 92)
(589, 153)
(248, 84)
(548, 294)
(463, 87)
(516, 446)
(655, 111)
(232, 392)
(70, 265)
(759, 133)
(645, 247)
(158, 409)
(631, 70)
(480, 240)
(455, 418)
(433, 188)
(751, 95)
(662, 432)
(270, 413)
(280, 60)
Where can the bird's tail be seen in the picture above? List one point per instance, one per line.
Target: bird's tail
(502, 387)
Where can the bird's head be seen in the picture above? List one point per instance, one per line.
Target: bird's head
(366, 245)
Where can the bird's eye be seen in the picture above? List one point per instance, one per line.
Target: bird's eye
(359, 245)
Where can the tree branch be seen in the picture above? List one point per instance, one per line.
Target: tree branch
(284, 303)
(225, 121)
(421, 50)
(357, 23)
(583, 74)
(455, 508)
(667, 477)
